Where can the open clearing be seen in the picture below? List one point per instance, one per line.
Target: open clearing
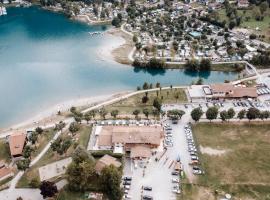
(127, 106)
(244, 170)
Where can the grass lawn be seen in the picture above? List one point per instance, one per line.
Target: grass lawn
(127, 106)
(5, 152)
(244, 169)
(83, 137)
(66, 195)
(43, 140)
(251, 23)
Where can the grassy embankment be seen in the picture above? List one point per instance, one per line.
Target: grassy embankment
(224, 67)
(82, 136)
(243, 170)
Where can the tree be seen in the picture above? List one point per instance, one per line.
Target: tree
(74, 127)
(192, 64)
(264, 115)
(39, 130)
(175, 114)
(253, 113)
(87, 117)
(47, 189)
(73, 110)
(61, 145)
(231, 113)
(136, 113)
(33, 138)
(196, 114)
(224, 115)
(157, 104)
(114, 113)
(93, 113)
(27, 151)
(81, 155)
(211, 113)
(263, 7)
(116, 22)
(146, 112)
(155, 112)
(103, 113)
(145, 86)
(110, 179)
(78, 118)
(205, 65)
(241, 114)
(135, 39)
(145, 99)
(60, 126)
(23, 164)
(80, 175)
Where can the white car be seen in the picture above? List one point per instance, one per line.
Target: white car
(175, 180)
(127, 187)
(177, 191)
(127, 197)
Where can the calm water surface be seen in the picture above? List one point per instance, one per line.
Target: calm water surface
(46, 59)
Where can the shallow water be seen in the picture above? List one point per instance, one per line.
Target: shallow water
(46, 58)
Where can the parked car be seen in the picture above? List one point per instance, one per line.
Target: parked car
(147, 188)
(175, 180)
(127, 183)
(177, 191)
(127, 187)
(194, 158)
(147, 197)
(127, 178)
(127, 196)
(175, 173)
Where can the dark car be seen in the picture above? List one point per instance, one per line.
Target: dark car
(127, 183)
(147, 188)
(147, 197)
(127, 178)
(175, 173)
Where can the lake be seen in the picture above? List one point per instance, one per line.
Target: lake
(46, 58)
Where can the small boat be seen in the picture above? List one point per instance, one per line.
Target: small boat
(95, 33)
(3, 11)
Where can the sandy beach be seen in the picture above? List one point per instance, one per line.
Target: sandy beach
(50, 115)
(121, 53)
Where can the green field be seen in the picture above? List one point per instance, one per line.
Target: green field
(127, 106)
(244, 169)
(248, 21)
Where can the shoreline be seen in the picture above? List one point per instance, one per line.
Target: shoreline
(50, 115)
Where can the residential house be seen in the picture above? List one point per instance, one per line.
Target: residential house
(16, 144)
(105, 161)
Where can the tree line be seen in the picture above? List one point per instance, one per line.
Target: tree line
(213, 113)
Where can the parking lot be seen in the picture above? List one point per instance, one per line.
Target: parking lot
(157, 174)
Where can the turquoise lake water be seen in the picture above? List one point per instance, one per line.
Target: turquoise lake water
(46, 58)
